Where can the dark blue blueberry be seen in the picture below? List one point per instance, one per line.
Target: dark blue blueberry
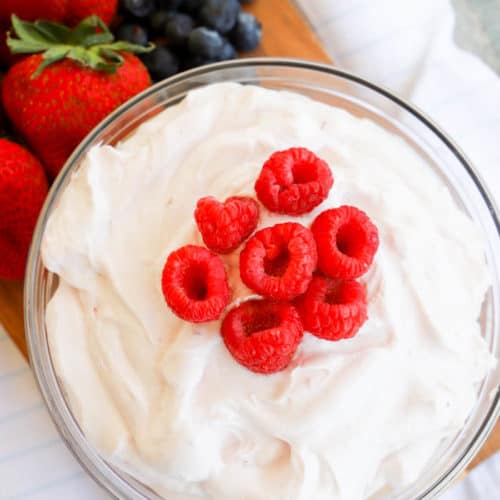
(132, 33)
(227, 52)
(246, 1)
(194, 61)
(206, 43)
(178, 28)
(138, 8)
(191, 6)
(247, 33)
(158, 20)
(169, 4)
(161, 63)
(220, 15)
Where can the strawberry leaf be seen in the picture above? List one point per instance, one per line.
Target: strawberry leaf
(98, 39)
(89, 44)
(87, 34)
(28, 32)
(129, 47)
(53, 33)
(22, 47)
(52, 55)
(111, 55)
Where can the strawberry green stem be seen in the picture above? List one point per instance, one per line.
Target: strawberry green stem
(90, 43)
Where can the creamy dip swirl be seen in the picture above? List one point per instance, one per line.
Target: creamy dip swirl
(164, 400)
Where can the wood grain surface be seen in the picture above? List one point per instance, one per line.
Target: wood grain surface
(287, 34)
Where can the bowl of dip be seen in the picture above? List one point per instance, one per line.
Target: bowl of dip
(154, 408)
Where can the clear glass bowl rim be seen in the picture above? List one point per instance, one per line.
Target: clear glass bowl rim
(276, 62)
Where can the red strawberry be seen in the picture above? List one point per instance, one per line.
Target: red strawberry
(56, 98)
(31, 10)
(23, 188)
(28, 10)
(69, 11)
(80, 9)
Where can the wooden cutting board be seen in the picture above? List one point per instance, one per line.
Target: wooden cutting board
(287, 34)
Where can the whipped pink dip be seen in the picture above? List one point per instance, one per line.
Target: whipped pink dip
(164, 400)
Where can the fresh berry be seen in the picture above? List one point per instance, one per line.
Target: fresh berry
(23, 188)
(205, 43)
(158, 20)
(227, 52)
(224, 226)
(80, 9)
(247, 33)
(3, 121)
(194, 283)
(191, 6)
(161, 63)
(178, 28)
(138, 8)
(293, 181)
(278, 261)
(68, 11)
(31, 10)
(262, 335)
(56, 111)
(220, 15)
(133, 33)
(333, 309)
(194, 61)
(347, 241)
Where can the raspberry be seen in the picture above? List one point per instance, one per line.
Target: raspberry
(262, 335)
(224, 226)
(194, 284)
(333, 309)
(278, 261)
(347, 241)
(293, 181)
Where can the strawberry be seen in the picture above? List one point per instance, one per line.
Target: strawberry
(56, 98)
(28, 10)
(23, 188)
(31, 10)
(69, 11)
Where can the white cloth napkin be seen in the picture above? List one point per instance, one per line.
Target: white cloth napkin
(405, 45)
(34, 461)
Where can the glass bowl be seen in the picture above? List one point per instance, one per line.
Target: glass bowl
(332, 86)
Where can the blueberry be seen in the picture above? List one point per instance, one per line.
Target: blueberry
(178, 28)
(158, 20)
(227, 52)
(220, 15)
(194, 61)
(247, 33)
(191, 6)
(205, 43)
(138, 8)
(246, 1)
(161, 63)
(132, 33)
(169, 4)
